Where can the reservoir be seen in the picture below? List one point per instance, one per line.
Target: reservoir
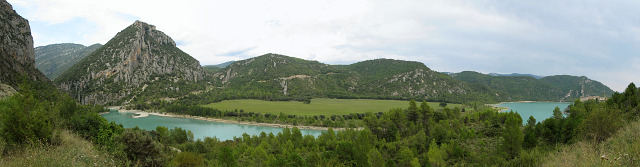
(539, 110)
(200, 128)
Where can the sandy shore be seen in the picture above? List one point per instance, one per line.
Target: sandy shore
(147, 113)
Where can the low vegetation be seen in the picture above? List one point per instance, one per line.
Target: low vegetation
(69, 150)
(316, 106)
(418, 135)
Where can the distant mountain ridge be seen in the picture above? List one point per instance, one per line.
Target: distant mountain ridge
(139, 63)
(279, 75)
(517, 74)
(217, 67)
(524, 86)
(578, 86)
(52, 60)
(225, 64)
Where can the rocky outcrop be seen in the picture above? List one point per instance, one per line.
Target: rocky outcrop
(137, 55)
(16, 48)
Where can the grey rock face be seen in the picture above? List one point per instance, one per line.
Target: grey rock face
(16, 48)
(135, 56)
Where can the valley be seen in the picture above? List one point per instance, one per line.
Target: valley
(316, 106)
(281, 110)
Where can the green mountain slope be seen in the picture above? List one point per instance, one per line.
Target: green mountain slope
(54, 59)
(408, 79)
(140, 63)
(575, 87)
(286, 77)
(283, 76)
(527, 88)
(513, 88)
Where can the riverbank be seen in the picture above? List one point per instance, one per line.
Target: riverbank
(142, 114)
(504, 109)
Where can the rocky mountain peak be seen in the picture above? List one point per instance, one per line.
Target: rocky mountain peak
(149, 31)
(138, 57)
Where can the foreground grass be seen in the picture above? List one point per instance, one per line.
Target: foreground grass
(72, 151)
(317, 106)
(622, 149)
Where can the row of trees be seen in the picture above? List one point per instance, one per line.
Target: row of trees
(352, 120)
(415, 136)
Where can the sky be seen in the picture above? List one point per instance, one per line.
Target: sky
(593, 38)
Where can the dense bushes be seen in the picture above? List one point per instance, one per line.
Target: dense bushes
(25, 120)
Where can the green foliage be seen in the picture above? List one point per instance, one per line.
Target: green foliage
(600, 124)
(512, 136)
(227, 157)
(25, 120)
(141, 148)
(413, 112)
(530, 136)
(375, 159)
(436, 155)
(187, 159)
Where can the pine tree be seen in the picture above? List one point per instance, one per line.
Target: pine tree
(512, 137)
(436, 156)
(530, 138)
(413, 115)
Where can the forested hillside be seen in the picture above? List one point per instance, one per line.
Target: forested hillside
(575, 87)
(279, 77)
(527, 88)
(54, 59)
(513, 88)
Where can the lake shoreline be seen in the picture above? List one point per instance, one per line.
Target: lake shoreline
(503, 109)
(142, 114)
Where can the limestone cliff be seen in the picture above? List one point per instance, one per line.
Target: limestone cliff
(139, 62)
(16, 49)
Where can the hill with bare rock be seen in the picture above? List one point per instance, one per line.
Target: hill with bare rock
(139, 63)
(274, 76)
(17, 60)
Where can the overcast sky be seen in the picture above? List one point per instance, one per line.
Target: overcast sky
(597, 39)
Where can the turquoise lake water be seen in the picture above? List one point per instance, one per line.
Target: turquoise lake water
(539, 110)
(200, 128)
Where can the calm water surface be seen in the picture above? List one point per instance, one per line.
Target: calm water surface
(200, 128)
(539, 110)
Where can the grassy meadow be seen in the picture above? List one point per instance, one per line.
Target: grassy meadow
(317, 106)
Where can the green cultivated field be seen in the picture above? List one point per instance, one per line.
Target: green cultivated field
(317, 106)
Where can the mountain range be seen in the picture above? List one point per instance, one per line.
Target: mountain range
(141, 64)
